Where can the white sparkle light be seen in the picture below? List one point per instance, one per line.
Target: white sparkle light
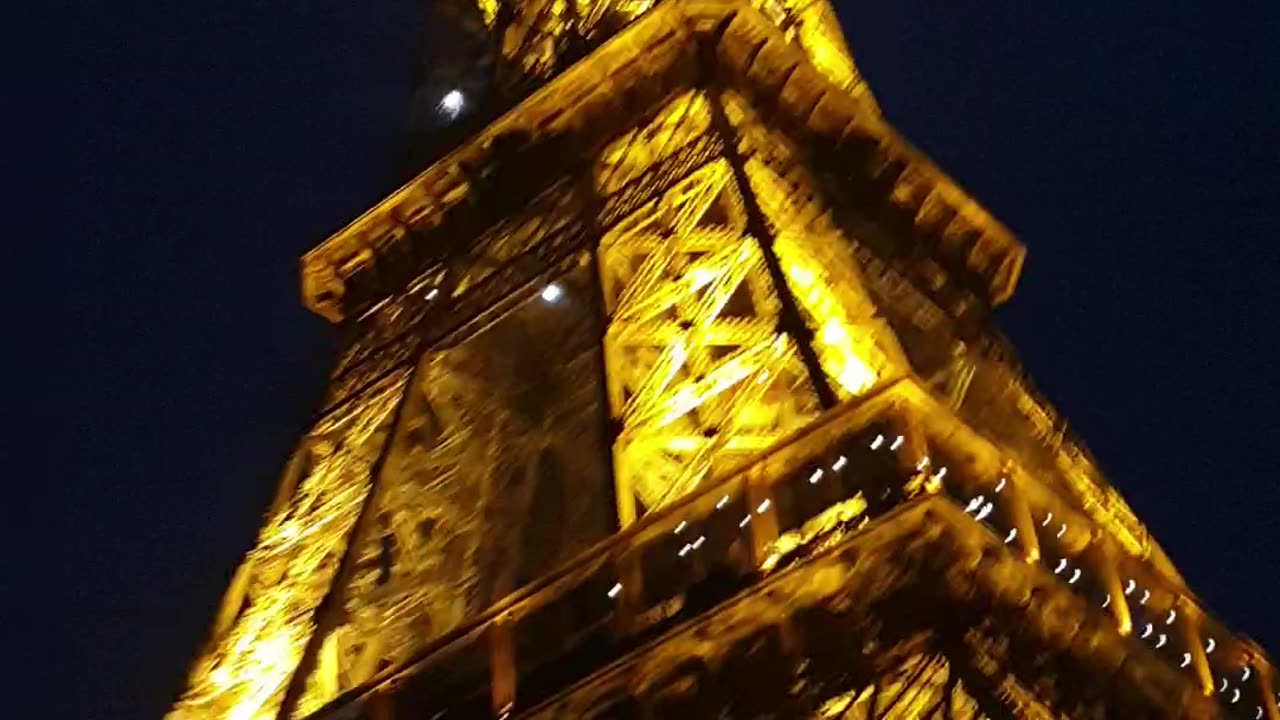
(552, 293)
(452, 102)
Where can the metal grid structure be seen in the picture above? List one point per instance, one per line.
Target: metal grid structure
(674, 393)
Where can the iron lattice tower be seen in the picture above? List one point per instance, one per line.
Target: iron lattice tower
(674, 392)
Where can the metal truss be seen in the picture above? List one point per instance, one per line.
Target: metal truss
(702, 368)
(590, 349)
(922, 687)
(268, 614)
(538, 38)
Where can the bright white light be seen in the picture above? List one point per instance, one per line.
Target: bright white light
(816, 476)
(552, 292)
(1012, 534)
(924, 463)
(1106, 601)
(763, 507)
(681, 526)
(452, 102)
(897, 443)
(1212, 644)
(984, 512)
(1258, 715)
(723, 501)
(1186, 659)
(1235, 696)
(1062, 565)
(1173, 615)
(1146, 633)
(1047, 519)
(839, 464)
(613, 591)
(1128, 589)
(1224, 685)
(744, 521)
(434, 292)
(875, 444)
(685, 550)
(1000, 485)
(1075, 575)
(698, 543)
(1162, 640)
(975, 503)
(1247, 672)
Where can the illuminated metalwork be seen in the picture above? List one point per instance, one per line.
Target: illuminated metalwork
(681, 373)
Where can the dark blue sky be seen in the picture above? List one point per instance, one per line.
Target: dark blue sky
(189, 153)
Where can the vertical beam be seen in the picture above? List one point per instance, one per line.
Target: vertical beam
(913, 454)
(624, 493)
(627, 605)
(763, 527)
(790, 320)
(1101, 560)
(502, 667)
(1270, 704)
(327, 666)
(1020, 512)
(233, 598)
(1189, 615)
(329, 609)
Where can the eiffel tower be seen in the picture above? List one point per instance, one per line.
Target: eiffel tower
(675, 392)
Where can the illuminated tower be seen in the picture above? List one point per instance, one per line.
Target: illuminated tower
(674, 392)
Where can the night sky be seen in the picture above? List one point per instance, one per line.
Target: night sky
(196, 149)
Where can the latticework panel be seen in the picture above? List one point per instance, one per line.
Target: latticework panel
(698, 372)
(537, 36)
(854, 345)
(922, 687)
(243, 675)
(500, 478)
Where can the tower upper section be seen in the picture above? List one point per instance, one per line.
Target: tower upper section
(801, 68)
(537, 38)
